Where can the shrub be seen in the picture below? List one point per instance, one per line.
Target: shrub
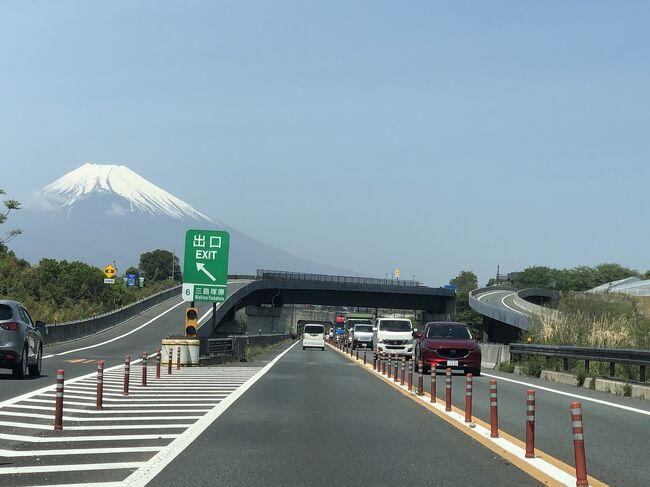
(627, 390)
(581, 376)
(533, 366)
(592, 383)
(507, 367)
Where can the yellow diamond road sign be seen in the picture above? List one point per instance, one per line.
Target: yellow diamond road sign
(109, 271)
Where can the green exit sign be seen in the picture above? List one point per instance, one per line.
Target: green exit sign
(205, 271)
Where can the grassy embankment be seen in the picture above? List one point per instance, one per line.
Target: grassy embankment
(256, 350)
(589, 320)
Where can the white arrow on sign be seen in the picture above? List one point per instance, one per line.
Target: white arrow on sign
(200, 266)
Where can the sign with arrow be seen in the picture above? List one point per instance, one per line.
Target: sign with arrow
(205, 271)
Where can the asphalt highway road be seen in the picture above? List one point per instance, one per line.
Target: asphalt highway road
(502, 298)
(77, 359)
(317, 419)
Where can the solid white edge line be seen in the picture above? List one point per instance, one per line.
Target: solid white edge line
(570, 394)
(153, 467)
(117, 337)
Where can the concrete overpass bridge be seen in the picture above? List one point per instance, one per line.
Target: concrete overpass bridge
(508, 311)
(270, 290)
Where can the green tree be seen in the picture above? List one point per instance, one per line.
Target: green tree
(465, 282)
(157, 265)
(9, 205)
(613, 272)
(647, 274)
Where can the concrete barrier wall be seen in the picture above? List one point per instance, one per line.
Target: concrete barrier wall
(73, 330)
(492, 354)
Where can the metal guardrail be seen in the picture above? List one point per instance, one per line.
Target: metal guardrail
(612, 356)
(298, 276)
(72, 330)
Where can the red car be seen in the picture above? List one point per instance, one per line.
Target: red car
(448, 344)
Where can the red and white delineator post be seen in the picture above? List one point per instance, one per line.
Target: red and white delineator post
(579, 445)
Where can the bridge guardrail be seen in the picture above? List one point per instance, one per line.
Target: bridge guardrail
(269, 274)
(72, 330)
(612, 356)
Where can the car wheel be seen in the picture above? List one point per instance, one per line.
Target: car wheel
(20, 368)
(476, 372)
(303, 348)
(322, 349)
(35, 370)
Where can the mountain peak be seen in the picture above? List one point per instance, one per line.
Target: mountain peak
(91, 180)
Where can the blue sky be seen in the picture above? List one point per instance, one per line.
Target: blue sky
(433, 137)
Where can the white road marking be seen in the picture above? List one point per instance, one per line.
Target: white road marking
(569, 394)
(117, 337)
(72, 439)
(48, 427)
(163, 458)
(70, 468)
(489, 294)
(503, 301)
(79, 451)
(103, 412)
(79, 419)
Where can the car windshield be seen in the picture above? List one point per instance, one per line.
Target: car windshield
(314, 329)
(5, 312)
(449, 332)
(395, 325)
(363, 328)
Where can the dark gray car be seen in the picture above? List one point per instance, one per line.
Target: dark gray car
(21, 342)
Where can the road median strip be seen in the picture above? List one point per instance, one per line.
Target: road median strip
(543, 467)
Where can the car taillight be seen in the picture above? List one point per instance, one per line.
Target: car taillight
(11, 326)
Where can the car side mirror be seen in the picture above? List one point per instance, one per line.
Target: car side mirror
(477, 337)
(374, 328)
(417, 334)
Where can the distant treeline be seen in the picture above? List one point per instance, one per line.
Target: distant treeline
(579, 278)
(56, 291)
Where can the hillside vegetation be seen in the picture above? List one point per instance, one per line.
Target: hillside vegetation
(57, 291)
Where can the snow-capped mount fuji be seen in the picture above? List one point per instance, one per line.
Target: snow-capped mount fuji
(137, 193)
(99, 214)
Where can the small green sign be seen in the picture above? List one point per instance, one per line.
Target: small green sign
(205, 272)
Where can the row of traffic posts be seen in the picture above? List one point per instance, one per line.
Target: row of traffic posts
(401, 370)
(99, 403)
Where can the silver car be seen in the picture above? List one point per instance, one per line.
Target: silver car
(21, 341)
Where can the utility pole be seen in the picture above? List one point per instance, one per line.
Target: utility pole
(173, 264)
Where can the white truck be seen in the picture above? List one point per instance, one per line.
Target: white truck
(394, 336)
(362, 335)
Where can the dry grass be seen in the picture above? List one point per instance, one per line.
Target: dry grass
(644, 305)
(595, 321)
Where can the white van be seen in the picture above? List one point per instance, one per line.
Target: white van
(394, 336)
(313, 336)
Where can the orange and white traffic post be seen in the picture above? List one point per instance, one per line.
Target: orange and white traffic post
(58, 408)
(433, 383)
(144, 369)
(448, 390)
(410, 376)
(127, 372)
(420, 378)
(99, 403)
(158, 358)
(468, 398)
(401, 382)
(169, 361)
(178, 358)
(579, 445)
(494, 413)
(530, 424)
